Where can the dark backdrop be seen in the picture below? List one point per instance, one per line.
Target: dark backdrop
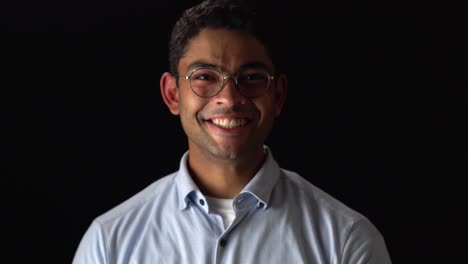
(374, 116)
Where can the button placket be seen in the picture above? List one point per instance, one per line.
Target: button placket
(222, 242)
(220, 249)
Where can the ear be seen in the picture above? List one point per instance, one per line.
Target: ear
(170, 92)
(281, 90)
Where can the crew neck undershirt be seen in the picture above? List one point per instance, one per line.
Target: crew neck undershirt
(222, 207)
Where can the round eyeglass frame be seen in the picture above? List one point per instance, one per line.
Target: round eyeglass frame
(225, 77)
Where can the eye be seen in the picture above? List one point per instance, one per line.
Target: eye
(202, 77)
(253, 77)
(206, 75)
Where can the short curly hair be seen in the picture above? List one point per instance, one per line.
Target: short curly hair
(231, 14)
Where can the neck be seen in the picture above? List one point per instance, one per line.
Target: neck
(223, 178)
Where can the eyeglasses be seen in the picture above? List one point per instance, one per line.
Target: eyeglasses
(208, 82)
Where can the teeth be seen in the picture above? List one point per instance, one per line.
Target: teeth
(229, 123)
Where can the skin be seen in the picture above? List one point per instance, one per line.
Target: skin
(222, 160)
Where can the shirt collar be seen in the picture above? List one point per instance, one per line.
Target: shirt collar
(260, 186)
(265, 179)
(184, 183)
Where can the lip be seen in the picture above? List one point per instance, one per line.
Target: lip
(228, 131)
(229, 116)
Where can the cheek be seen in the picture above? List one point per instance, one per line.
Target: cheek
(189, 107)
(188, 119)
(267, 107)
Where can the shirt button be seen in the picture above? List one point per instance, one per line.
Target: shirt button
(202, 202)
(223, 242)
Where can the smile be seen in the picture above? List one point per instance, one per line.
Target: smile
(229, 123)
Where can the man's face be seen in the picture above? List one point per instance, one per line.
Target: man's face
(227, 125)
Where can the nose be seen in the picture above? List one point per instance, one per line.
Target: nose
(230, 94)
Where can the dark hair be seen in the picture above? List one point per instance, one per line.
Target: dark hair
(231, 14)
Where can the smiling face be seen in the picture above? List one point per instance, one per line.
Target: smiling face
(227, 125)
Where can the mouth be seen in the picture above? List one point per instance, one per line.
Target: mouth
(230, 123)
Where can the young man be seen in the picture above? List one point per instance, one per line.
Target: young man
(229, 202)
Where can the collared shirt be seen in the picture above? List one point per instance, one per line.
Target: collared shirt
(280, 218)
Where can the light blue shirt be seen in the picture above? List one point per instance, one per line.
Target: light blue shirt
(280, 218)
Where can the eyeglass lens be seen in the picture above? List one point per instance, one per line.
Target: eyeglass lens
(207, 82)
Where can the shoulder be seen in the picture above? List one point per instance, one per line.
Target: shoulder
(330, 219)
(112, 234)
(316, 199)
(150, 196)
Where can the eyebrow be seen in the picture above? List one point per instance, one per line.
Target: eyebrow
(201, 64)
(249, 65)
(256, 65)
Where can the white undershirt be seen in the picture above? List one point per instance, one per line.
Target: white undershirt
(222, 207)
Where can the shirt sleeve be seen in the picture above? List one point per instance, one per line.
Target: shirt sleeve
(365, 245)
(92, 247)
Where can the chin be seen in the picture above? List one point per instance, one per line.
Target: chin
(232, 152)
(225, 153)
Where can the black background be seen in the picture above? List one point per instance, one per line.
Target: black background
(375, 116)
